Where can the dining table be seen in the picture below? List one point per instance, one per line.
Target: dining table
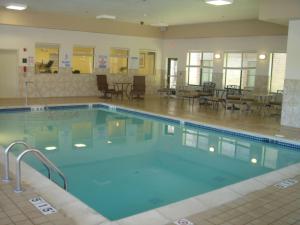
(123, 88)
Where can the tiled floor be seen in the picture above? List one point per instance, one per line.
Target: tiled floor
(15, 209)
(268, 206)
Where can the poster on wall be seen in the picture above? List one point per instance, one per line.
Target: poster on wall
(134, 62)
(30, 61)
(102, 61)
(66, 61)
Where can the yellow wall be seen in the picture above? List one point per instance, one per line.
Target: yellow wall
(148, 66)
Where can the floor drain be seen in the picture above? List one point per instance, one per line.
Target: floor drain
(183, 222)
(286, 183)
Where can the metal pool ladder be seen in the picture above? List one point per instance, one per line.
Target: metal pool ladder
(38, 154)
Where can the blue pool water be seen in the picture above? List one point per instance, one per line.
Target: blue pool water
(129, 164)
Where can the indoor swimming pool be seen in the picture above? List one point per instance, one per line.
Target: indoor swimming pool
(121, 163)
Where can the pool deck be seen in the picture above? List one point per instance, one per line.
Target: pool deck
(237, 204)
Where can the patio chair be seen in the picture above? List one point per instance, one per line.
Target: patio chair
(233, 97)
(208, 90)
(103, 87)
(46, 68)
(138, 87)
(275, 102)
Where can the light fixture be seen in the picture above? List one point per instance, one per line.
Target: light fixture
(80, 145)
(160, 24)
(50, 148)
(219, 2)
(262, 56)
(108, 17)
(211, 148)
(109, 142)
(16, 6)
(254, 160)
(217, 55)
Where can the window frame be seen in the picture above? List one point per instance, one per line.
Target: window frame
(201, 67)
(241, 68)
(127, 57)
(271, 67)
(84, 46)
(47, 45)
(146, 51)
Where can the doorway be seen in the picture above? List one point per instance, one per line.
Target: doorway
(8, 73)
(172, 73)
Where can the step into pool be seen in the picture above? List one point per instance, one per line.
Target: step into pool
(122, 163)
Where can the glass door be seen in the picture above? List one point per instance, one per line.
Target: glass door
(172, 73)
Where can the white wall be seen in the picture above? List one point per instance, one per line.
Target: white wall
(65, 83)
(8, 74)
(13, 37)
(177, 48)
(291, 102)
(293, 49)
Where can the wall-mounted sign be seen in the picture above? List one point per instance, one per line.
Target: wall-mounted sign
(66, 61)
(102, 61)
(134, 62)
(30, 60)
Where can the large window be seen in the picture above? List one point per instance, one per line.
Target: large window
(147, 63)
(240, 69)
(83, 60)
(46, 58)
(118, 61)
(199, 67)
(277, 71)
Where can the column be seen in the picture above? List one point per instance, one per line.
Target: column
(291, 98)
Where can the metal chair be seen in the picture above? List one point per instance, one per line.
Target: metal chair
(138, 88)
(103, 87)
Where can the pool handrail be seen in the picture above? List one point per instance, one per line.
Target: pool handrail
(6, 178)
(40, 156)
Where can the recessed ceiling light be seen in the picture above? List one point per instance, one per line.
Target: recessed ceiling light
(16, 6)
(108, 17)
(80, 145)
(219, 2)
(50, 148)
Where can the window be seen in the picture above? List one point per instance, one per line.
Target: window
(199, 67)
(83, 60)
(277, 71)
(240, 69)
(172, 73)
(46, 58)
(118, 61)
(147, 63)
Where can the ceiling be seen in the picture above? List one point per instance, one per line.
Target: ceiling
(171, 12)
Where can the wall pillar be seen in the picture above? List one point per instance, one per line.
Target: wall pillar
(291, 101)
(262, 74)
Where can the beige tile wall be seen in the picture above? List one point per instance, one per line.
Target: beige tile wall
(291, 104)
(66, 84)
